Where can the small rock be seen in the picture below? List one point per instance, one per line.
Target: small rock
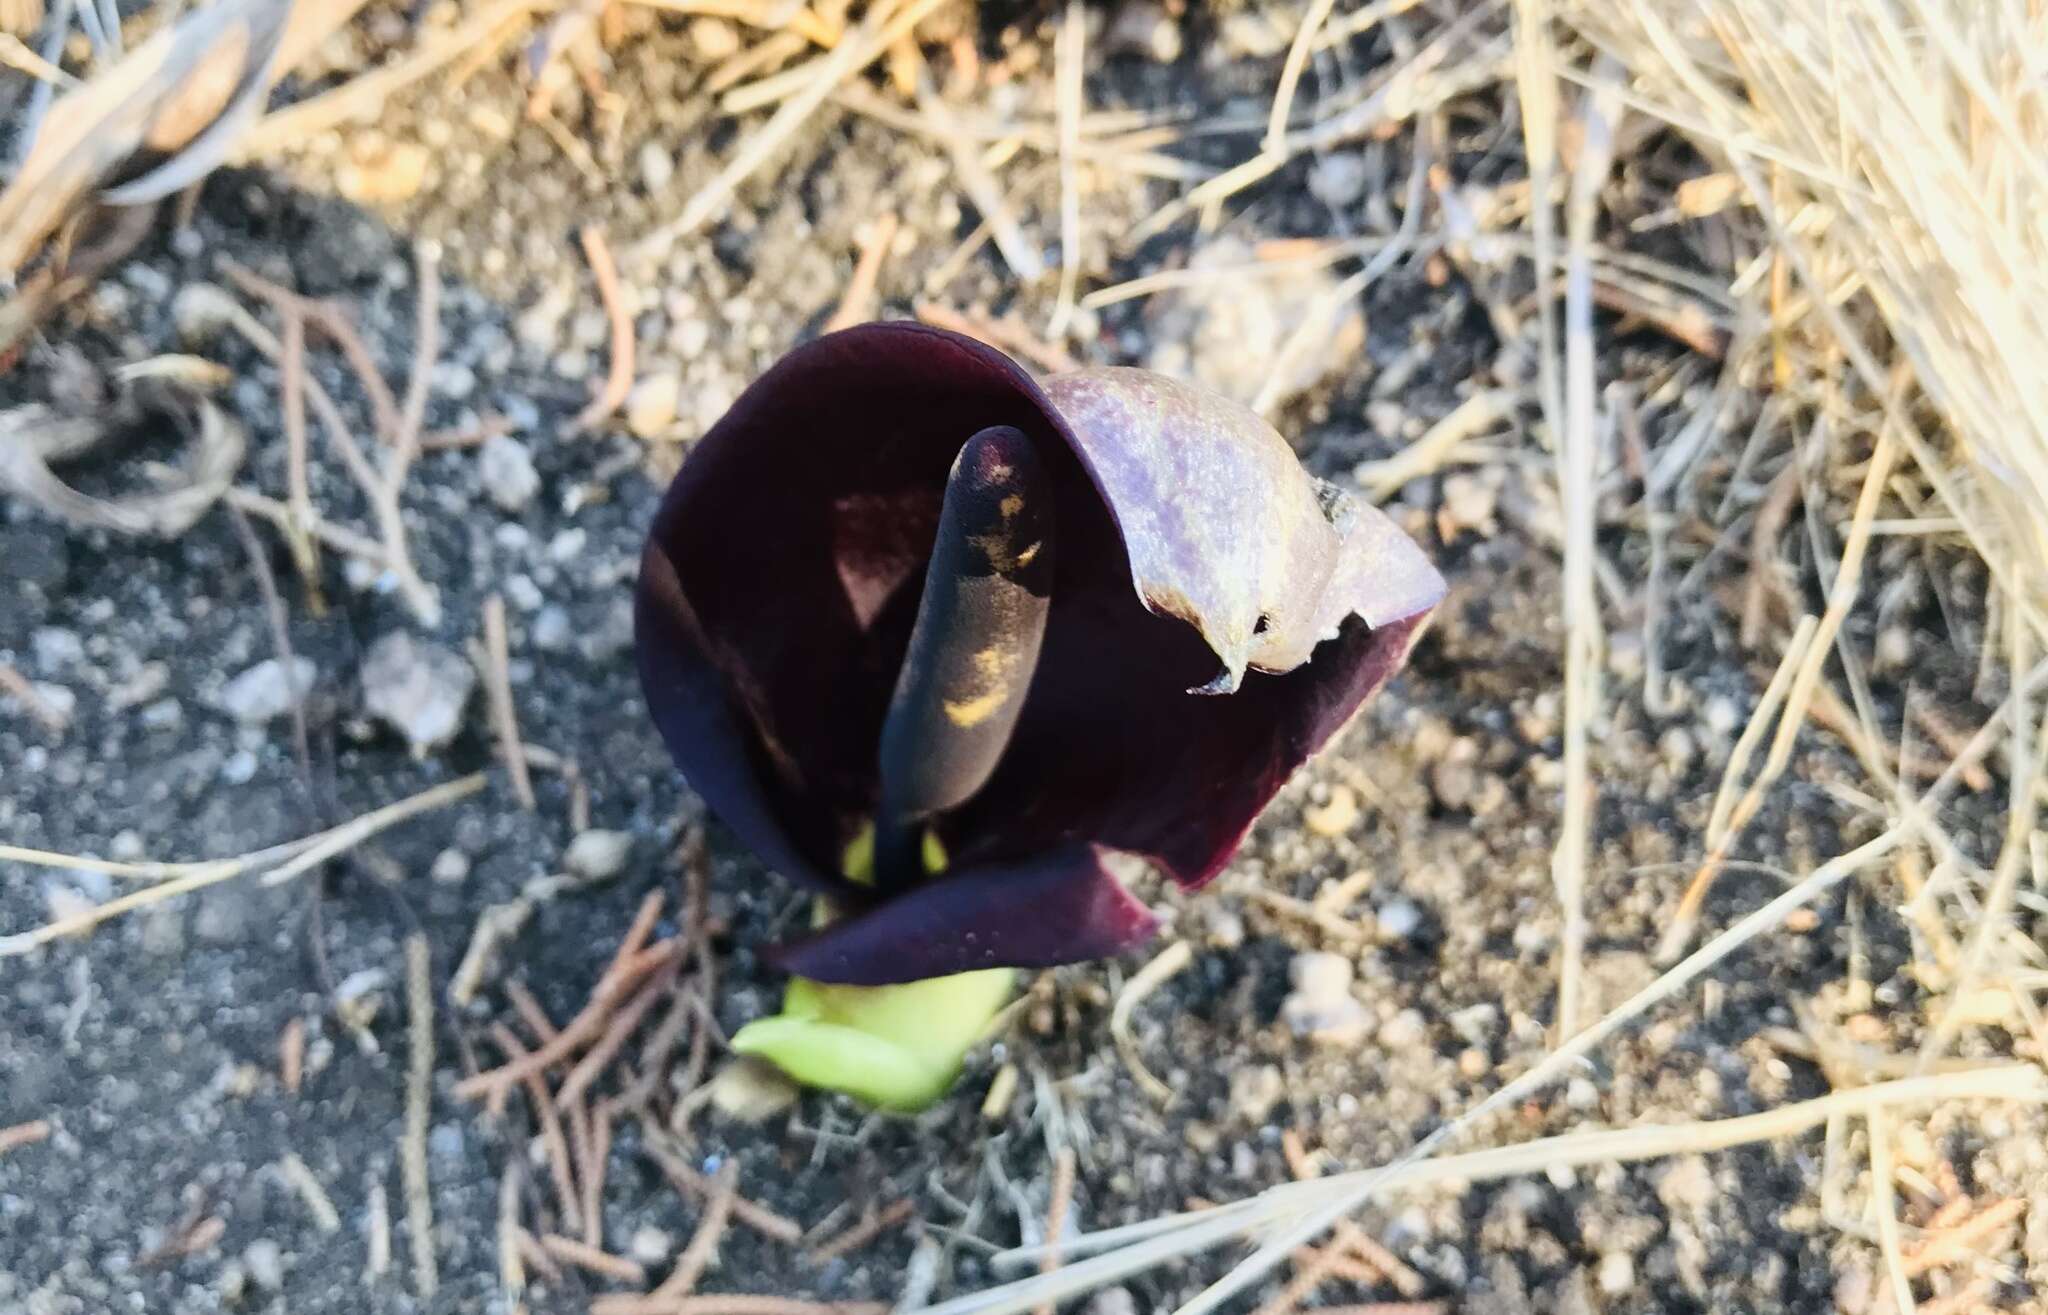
(1223, 928)
(567, 545)
(447, 1143)
(551, 630)
(1254, 1091)
(1676, 748)
(650, 1245)
(657, 166)
(1398, 919)
(1468, 504)
(652, 405)
(598, 855)
(451, 866)
(1454, 783)
(1321, 1007)
(56, 648)
(264, 1260)
(1143, 28)
(751, 1091)
(505, 469)
(714, 38)
(1113, 1301)
(264, 692)
(418, 688)
(240, 767)
(1404, 1031)
(201, 312)
(1687, 1185)
(1617, 1273)
(383, 173)
(1338, 179)
(1228, 334)
(1335, 817)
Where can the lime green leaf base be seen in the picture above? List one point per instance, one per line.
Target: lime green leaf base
(895, 1047)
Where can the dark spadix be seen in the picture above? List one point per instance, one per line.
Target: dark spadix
(904, 594)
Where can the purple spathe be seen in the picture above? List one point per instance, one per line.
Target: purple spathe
(781, 579)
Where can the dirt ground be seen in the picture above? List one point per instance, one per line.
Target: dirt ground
(152, 1045)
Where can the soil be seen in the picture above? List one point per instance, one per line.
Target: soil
(152, 1045)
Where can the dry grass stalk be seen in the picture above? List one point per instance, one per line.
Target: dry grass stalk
(419, 1087)
(278, 864)
(321, 1206)
(1162, 968)
(1116, 1253)
(861, 47)
(735, 1304)
(1576, 460)
(1071, 59)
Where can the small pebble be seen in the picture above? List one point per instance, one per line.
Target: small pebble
(1321, 1007)
(751, 1091)
(1254, 1091)
(1404, 1031)
(418, 688)
(1617, 1273)
(201, 312)
(650, 1245)
(263, 692)
(505, 469)
(451, 867)
(264, 1260)
(1398, 919)
(652, 405)
(714, 38)
(657, 166)
(551, 631)
(1337, 816)
(598, 855)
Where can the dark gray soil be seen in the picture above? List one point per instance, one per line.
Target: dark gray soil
(152, 1046)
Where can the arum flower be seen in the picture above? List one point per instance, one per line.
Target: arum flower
(935, 638)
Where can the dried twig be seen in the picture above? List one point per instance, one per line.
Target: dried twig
(548, 1119)
(504, 717)
(703, 1244)
(864, 1232)
(1056, 1215)
(24, 1134)
(695, 1185)
(618, 380)
(23, 691)
(587, 1257)
(857, 303)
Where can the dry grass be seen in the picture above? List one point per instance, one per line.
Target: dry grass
(1877, 193)
(1866, 337)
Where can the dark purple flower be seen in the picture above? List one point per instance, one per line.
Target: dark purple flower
(1209, 616)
